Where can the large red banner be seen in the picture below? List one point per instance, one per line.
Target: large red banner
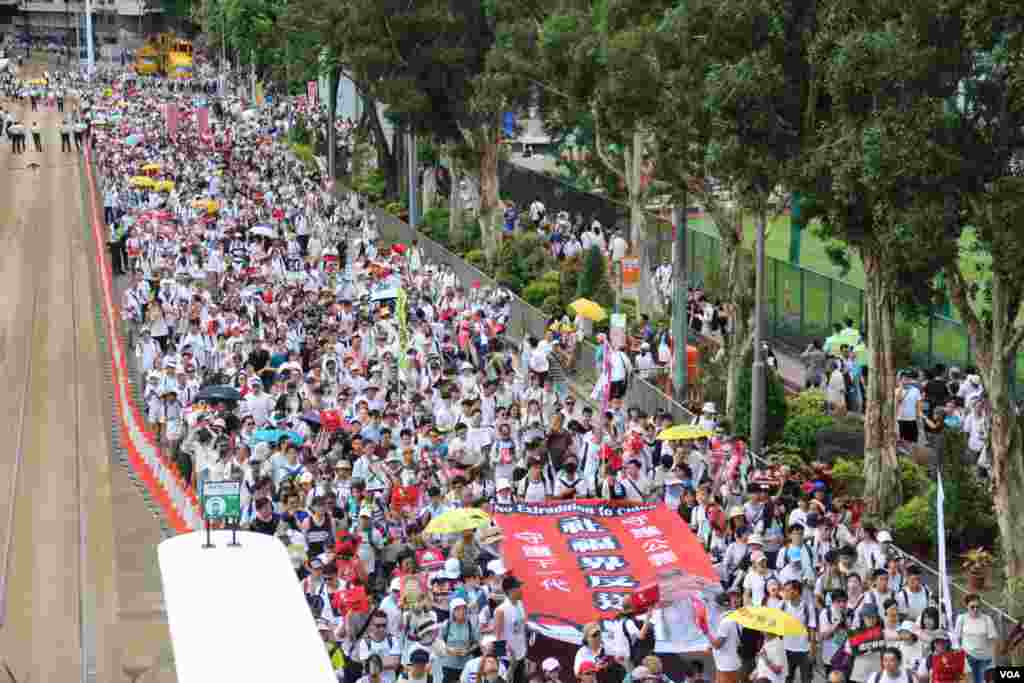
(581, 560)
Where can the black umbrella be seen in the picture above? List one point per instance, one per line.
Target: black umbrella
(221, 392)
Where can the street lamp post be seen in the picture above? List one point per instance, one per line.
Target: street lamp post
(759, 381)
(680, 291)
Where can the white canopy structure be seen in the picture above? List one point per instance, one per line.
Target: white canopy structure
(222, 603)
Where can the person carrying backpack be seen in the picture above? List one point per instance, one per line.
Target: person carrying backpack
(892, 668)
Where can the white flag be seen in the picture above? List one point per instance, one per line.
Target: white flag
(944, 586)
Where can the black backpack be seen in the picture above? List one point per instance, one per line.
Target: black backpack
(642, 647)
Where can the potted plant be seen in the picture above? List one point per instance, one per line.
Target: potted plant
(977, 564)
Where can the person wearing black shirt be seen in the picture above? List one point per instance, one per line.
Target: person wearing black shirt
(265, 521)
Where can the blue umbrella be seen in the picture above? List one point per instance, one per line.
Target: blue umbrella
(274, 435)
(132, 140)
(311, 419)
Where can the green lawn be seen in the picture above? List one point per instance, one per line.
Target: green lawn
(822, 293)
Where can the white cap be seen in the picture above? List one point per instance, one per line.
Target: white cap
(503, 484)
(456, 603)
(906, 626)
(884, 537)
(497, 567)
(396, 584)
(452, 569)
(550, 664)
(489, 639)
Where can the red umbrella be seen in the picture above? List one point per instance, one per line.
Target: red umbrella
(398, 248)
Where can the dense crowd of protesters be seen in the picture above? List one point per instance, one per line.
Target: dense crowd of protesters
(275, 348)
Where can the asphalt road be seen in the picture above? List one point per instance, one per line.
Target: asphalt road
(57, 568)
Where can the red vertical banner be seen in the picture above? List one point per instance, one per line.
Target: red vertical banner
(203, 121)
(311, 93)
(172, 119)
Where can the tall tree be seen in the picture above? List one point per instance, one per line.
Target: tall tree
(590, 62)
(874, 167)
(426, 62)
(737, 82)
(988, 117)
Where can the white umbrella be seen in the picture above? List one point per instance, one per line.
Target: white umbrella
(264, 231)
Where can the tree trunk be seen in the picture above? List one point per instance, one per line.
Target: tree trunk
(454, 198)
(387, 161)
(1007, 457)
(882, 487)
(490, 206)
(735, 344)
(332, 132)
(399, 152)
(429, 189)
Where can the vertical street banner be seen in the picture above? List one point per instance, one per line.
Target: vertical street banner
(203, 121)
(580, 561)
(311, 94)
(171, 115)
(946, 599)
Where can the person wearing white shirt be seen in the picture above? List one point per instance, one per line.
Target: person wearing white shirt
(620, 369)
(800, 650)
(915, 596)
(619, 246)
(538, 359)
(771, 663)
(725, 644)
(976, 634)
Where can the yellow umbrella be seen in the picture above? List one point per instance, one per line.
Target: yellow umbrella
(588, 309)
(768, 620)
(164, 186)
(152, 167)
(457, 521)
(208, 204)
(682, 432)
(141, 181)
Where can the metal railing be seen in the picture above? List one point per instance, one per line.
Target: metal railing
(1003, 621)
(525, 320)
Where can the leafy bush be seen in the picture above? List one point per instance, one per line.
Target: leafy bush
(467, 238)
(434, 223)
(801, 432)
(593, 279)
(553, 305)
(478, 258)
(911, 524)
(914, 479)
(372, 185)
(970, 521)
(552, 276)
(848, 477)
(299, 134)
(785, 454)
(305, 154)
(711, 372)
(537, 292)
(807, 402)
(393, 208)
(775, 398)
(520, 261)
